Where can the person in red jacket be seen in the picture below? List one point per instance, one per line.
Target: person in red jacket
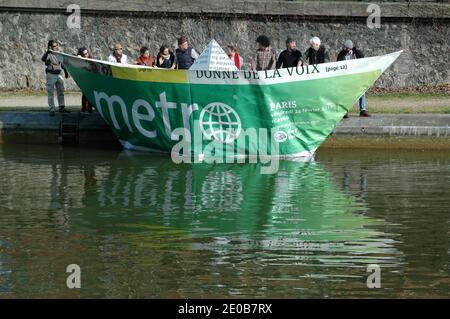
(145, 58)
(234, 56)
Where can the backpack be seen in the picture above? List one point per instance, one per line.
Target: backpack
(53, 64)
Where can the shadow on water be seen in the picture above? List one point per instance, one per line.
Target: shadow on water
(141, 226)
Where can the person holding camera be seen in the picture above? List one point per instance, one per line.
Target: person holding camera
(54, 68)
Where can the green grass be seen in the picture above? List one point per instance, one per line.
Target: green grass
(407, 103)
(11, 94)
(409, 95)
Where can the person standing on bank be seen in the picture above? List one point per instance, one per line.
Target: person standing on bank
(165, 58)
(316, 53)
(291, 57)
(265, 58)
(53, 70)
(185, 55)
(350, 52)
(86, 106)
(117, 55)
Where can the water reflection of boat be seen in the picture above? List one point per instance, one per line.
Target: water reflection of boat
(159, 227)
(223, 199)
(300, 203)
(294, 108)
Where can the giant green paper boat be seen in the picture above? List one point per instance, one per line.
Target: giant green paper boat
(283, 113)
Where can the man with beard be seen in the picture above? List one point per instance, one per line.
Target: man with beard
(291, 57)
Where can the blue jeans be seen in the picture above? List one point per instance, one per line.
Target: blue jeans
(55, 80)
(362, 102)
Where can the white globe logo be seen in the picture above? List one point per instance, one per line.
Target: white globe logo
(220, 122)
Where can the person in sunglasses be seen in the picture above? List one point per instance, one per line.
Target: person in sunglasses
(117, 55)
(53, 70)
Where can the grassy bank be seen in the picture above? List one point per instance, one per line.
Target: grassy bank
(386, 102)
(407, 103)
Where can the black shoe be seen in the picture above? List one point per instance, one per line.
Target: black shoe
(51, 113)
(364, 114)
(63, 110)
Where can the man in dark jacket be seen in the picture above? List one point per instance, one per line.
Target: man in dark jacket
(291, 57)
(316, 53)
(53, 70)
(350, 52)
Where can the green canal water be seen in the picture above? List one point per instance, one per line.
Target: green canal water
(140, 226)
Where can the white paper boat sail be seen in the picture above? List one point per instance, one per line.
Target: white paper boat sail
(213, 58)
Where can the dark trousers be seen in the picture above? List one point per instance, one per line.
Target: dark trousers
(86, 106)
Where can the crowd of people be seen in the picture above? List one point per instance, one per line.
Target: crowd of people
(265, 58)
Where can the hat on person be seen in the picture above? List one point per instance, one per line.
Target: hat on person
(348, 44)
(117, 46)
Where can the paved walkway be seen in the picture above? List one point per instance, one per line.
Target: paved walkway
(397, 124)
(392, 104)
(18, 102)
(414, 131)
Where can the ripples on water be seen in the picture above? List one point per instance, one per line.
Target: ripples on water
(141, 226)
